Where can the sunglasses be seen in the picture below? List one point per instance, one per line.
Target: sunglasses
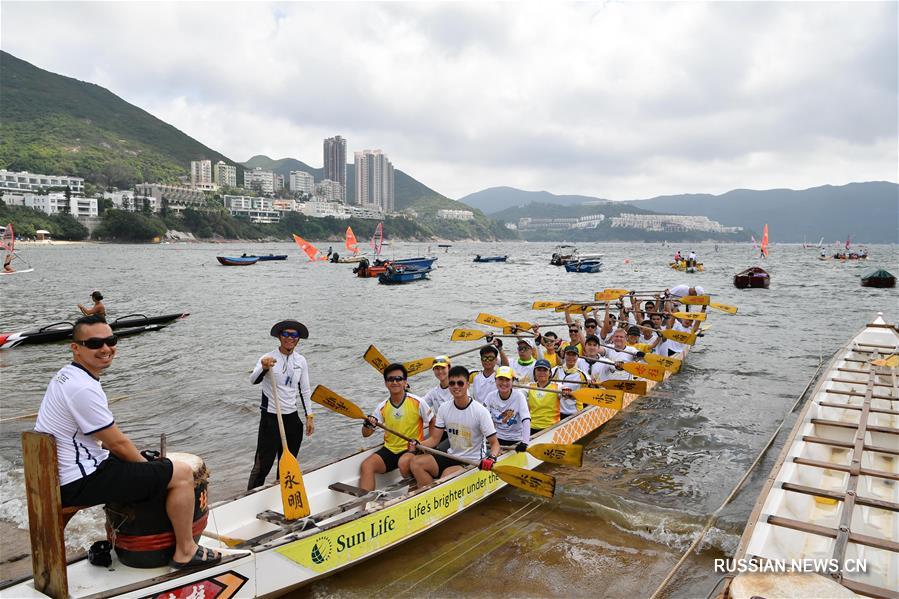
(395, 379)
(98, 342)
(456, 383)
(488, 358)
(294, 335)
(589, 326)
(574, 331)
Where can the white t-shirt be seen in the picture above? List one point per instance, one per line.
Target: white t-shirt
(607, 372)
(523, 372)
(481, 386)
(676, 346)
(437, 396)
(684, 290)
(468, 428)
(291, 375)
(572, 379)
(510, 415)
(74, 408)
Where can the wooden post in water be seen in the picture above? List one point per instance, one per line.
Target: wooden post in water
(45, 523)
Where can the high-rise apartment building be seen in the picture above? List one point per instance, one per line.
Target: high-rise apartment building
(224, 175)
(201, 174)
(335, 162)
(329, 191)
(374, 181)
(259, 180)
(301, 181)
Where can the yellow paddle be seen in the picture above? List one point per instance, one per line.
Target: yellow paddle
(528, 480)
(379, 361)
(635, 387)
(604, 398)
(293, 491)
(679, 336)
(694, 300)
(545, 305)
(608, 295)
(644, 371)
(669, 364)
(511, 327)
(700, 316)
(618, 292)
(473, 335)
(891, 362)
(723, 307)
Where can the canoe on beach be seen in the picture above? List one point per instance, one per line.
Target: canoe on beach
(833, 494)
(264, 554)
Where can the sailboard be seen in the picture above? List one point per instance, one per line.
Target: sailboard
(8, 247)
(764, 245)
(309, 249)
(377, 240)
(351, 243)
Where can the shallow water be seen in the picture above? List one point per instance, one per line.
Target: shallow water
(650, 478)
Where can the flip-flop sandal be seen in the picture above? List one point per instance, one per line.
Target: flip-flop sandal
(202, 558)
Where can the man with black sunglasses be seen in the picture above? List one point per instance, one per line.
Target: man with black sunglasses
(76, 412)
(291, 374)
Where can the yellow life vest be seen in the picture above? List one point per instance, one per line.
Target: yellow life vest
(405, 419)
(544, 406)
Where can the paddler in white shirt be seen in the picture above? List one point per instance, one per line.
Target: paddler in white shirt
(524, 365)
(291, 374)
(509, 410)
(483, 382)
(570, 378)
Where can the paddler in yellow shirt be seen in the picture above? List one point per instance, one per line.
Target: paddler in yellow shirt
(545, 406)
(402, 412)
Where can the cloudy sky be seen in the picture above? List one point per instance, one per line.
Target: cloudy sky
(612, 99)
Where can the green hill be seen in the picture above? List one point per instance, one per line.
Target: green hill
(58, 125)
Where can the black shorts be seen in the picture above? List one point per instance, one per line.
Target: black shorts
(443, 463)
(391, 460)
(117, 481)
(507, 442)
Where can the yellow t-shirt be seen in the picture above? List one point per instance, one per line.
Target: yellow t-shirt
(544, 406)
(409, 418)
(553, 359)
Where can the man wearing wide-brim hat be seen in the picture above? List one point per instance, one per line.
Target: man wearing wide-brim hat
(291, 375)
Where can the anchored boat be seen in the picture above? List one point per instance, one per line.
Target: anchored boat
(879, 278)
(59, 331)
(269, 258)
(480, 258)
(833, 494)
(584, 266)
(237, 260)
(753, 277)
(397, 274)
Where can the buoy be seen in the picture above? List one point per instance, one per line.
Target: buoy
(626, 261)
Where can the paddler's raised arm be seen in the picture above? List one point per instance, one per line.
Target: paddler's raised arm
(264, 364)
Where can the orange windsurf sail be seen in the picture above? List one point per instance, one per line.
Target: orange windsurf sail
(351, 243)
(764, 246)
(310, 249)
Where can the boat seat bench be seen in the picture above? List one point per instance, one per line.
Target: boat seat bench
(859, 500)
(849, 445)
(348, 489)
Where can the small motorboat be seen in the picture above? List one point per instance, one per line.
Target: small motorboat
(353, 259)
(753, 278)
(562, 254)
(879, 278)
(237, 261)
(584, 266)
(682, 266)
(420, 262)
(268, 258)
(480, 258)
(397, 274)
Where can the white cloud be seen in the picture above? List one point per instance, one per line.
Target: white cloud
(618, 100)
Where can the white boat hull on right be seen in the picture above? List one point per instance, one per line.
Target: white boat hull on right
(833, 494)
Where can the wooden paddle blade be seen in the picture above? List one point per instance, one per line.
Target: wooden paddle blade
(374, 357)
(700, 316)
(293, 491)
(333, 401)
(669, 364)
(515, 328)
(618, 292)
(467, 335)
(418, 366)
(723, 307)
(696, 300)
(645, 371)
(566, 455)
(635, 387)
(606, 296)
(576, 309)
(604, 398)
(491, 321)
(679, 336)
(546, 305)
(528, 480)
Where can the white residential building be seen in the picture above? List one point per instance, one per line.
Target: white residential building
(334, 154)
(201, 175)
(365, 213)
(374, 181)
(319, 209)
(257, 210)
(279, 182)
(23, 181)
(259, 180)
(177, 198)
(54, 203)
(591, 221)
(671, 222)
(224, 175)
(301, 181)
(285, 205)
(455, 214)
(329, 191)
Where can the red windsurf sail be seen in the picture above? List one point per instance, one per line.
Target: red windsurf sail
(8, 241)
(764, 246)
(377, 239)
(310, 249)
